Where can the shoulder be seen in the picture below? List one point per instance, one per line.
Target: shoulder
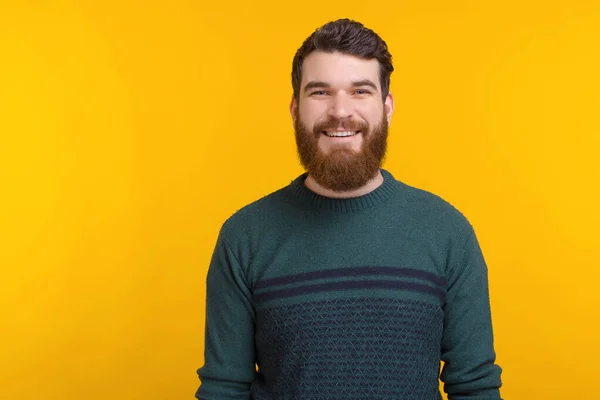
(255, 216)
(431, 210)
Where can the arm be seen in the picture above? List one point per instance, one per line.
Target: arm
(469, 371)
(229, 365)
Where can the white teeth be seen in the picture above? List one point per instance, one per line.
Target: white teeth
(340, 134)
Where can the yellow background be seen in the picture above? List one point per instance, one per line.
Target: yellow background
(131, 129)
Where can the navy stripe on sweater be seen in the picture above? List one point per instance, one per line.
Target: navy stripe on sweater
(351, 272)
(349, 285)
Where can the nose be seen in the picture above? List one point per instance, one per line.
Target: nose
(341, 106)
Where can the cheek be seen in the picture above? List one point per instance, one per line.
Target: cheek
(374, 115)
(312, 113)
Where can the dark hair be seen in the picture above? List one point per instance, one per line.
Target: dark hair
(348, 37)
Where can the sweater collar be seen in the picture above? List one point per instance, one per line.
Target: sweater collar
(302, 195)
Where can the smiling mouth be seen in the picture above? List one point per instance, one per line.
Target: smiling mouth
(338, 134)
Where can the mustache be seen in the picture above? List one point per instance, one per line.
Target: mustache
(335, 123)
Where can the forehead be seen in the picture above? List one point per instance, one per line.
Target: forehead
(338, 69)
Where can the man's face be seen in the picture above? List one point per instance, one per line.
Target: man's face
(340, 120)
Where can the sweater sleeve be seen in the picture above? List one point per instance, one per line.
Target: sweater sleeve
(229, 360)
(469, 371)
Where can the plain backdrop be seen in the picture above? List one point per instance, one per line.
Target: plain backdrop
(130, 130)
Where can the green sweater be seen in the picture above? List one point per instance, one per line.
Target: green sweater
(310, 297)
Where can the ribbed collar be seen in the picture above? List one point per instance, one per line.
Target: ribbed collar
(300, 194)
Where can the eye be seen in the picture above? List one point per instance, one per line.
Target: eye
(319, 93)
(362, 91)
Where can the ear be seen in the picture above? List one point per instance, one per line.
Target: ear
(294, 108)
(388, 106)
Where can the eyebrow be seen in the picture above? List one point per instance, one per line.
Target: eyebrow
(315, 84)
(364, 82)
(319, 84)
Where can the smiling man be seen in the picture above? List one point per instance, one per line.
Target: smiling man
(347, 283)
(341, 122)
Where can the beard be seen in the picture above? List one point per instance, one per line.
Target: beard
(342, 169)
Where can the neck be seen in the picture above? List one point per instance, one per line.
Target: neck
(371, 185)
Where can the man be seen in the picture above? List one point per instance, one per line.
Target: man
(347, 283)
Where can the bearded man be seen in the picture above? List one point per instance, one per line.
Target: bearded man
(347, 283)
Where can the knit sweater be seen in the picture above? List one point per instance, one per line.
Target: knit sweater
(311, 297)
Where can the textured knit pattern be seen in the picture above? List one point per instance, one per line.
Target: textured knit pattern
(310, 297)
(336, 345)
